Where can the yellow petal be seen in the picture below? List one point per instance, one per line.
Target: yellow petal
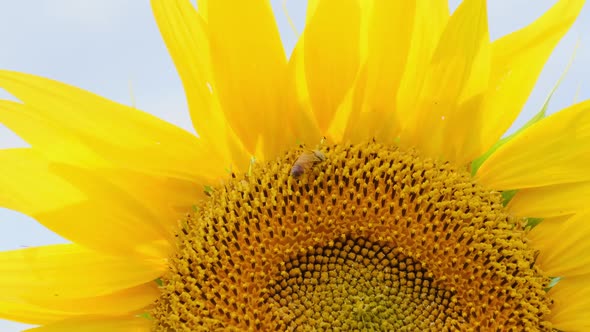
(476, 163)
(166, 195)
(249, 66)
(70, 271)
(564, 248)
(98, 324)
(550, 201)
(371, 105)
(124, 301)
(202, 6)
(390, 34)
(82, 206)
(298, 108)
(303, 127)
(571, 305)
(109, 220)
(447, 107)
(137, 139)
(312, 5)
(429, 21)
(517, 60)
(551, 151)
(332, 56)
(55, 308)
(30, 314)
(352, 123)
(168, 199)
(542, 237)
(28, 185)
(46, 136)
(185, 33)
(67, 145)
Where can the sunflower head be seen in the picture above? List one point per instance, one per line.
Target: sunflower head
(362, 183)
(374, 237)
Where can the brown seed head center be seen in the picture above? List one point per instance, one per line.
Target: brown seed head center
(371, 238)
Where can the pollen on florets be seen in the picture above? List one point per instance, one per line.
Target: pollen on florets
(371, 238)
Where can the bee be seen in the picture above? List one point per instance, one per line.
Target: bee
(305, 162)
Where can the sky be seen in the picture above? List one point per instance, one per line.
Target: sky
(113, 48)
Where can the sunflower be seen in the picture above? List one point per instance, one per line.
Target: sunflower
(361, 184)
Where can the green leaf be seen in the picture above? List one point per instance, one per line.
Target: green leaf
(554, 281)
(208, 190)
(145, 315)
(532, 222)
(507, 196)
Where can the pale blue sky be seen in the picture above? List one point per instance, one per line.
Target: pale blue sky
(107, 45)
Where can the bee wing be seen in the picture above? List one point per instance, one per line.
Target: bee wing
(320, 156)
(308, 158)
